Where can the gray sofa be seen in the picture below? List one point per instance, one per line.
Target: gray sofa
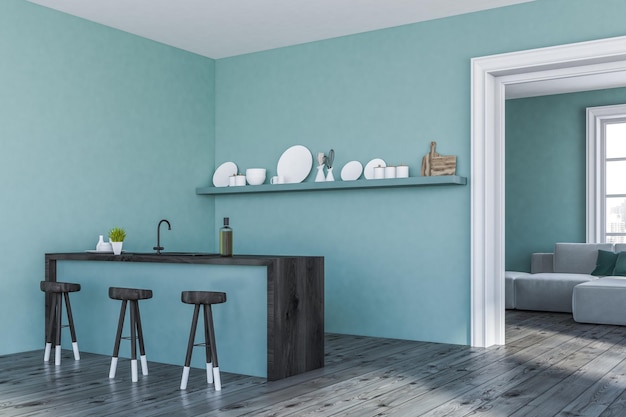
(562, 282)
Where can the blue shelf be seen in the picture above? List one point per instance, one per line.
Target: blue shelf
(335, 185)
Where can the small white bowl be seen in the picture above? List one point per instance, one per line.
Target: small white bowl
(255, 176)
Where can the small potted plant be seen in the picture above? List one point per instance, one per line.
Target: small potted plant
(116, 237)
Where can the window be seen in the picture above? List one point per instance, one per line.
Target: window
(606, 174)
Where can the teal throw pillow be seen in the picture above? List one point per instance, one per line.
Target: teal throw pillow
(620, 264)
(605, 264)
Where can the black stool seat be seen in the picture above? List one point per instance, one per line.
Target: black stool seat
(203, 297)
(49, 286)
(204, 300)
(56, 292)
(118, 293)
(132, 296)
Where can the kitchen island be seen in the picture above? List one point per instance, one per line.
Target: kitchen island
(294, 305)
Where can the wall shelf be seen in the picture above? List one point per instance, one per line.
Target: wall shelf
(335, 185)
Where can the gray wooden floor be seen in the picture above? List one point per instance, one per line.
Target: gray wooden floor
(551, 366)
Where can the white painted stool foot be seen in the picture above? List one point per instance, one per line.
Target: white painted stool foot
(113, 368)
(56, 292)
(185, 378)
(209, 373)
(75, 349)
(133, 370)
(203, 300)
(57, 355)
(46, 353)
(144, 365)
(216, 378)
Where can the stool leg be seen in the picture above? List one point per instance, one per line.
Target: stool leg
(70, 320)
(192, 339)
(58, 315)
(216, 369)
(51, 320)
(142, 350)
(207, 348)
(133, 340)
(118, 338)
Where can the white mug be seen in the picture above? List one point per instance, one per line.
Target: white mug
(402, 171)
(379, 172)
(390, 172)
(232, 180)
(240, 180)
(277, 179)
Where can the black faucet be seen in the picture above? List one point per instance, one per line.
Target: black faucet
(158, 247)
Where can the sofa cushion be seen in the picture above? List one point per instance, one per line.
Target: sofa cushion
(602, 301)
(547, 291)
(620, 247)
(577, 258)
(620, 264)
(605, 264)
(509, 287)
(541, 262)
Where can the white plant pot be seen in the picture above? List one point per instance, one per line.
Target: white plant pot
(117, 247)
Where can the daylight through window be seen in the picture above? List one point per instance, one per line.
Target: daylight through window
(615, 180)
(606, 174)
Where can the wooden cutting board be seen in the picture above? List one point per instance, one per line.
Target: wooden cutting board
(434, 164)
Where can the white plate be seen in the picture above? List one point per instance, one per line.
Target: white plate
(220, 177)
(351, 171)
(369, 167)
(295, 164)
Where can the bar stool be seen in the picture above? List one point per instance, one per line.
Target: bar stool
(206, 299)
(57, 290)
(133, 295)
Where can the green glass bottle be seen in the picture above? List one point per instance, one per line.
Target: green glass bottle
(226, 239)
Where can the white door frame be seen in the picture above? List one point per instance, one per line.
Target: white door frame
(490, 76)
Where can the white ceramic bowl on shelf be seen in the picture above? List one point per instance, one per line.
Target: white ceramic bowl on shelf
(255, 176)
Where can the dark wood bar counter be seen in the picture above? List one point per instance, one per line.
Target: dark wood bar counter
(295, 301)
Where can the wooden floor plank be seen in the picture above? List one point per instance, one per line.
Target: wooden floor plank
(434, 392)
(550, 366)
(600, 395)
(580, 379)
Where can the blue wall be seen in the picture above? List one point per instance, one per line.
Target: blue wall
(545, 171)
(97, 129)
(397, 261)
(100, 128)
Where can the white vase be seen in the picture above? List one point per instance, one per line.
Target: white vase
(320, 174)
(100, 245)
(329, 175)
(117, 247)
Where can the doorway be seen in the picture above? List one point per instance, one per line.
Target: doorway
(572, 67)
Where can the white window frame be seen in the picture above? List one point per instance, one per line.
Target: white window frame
(597, 119)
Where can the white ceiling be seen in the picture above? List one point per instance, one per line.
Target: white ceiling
(223, 28)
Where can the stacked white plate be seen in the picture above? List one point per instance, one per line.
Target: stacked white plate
(351, 171)
(223, 172)
(295, 164)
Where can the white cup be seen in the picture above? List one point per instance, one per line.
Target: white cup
(255, 176)
(390, 172)
(402, 171)
(277, 179)
(379, 172)
(232, 181)
(240, 180)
